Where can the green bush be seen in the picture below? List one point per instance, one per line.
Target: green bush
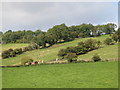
(108, 41)
(115, 37)
(18, 51)
(26, 59)
(5, 54)
(71, 57)
(96, 58)
(25, 49)
(62, 53)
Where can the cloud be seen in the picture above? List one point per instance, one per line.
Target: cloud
(43, 15)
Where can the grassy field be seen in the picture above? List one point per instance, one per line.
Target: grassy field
(74, 75)
(13, 46)
(46, 54)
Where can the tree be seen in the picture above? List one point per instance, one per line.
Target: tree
(109, 28)
(41, 39)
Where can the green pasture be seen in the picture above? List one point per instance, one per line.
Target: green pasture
(13, 46)
(73, 75)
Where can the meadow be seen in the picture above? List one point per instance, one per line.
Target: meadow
(13, 46)
(73, 75)
(47, 54)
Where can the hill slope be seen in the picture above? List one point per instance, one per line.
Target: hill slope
(50, 53)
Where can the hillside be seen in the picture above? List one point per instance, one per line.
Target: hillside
(13, 46)
(50, 53)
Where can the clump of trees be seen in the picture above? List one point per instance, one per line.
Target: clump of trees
(81, 48)
(57, 33)
(12, 53)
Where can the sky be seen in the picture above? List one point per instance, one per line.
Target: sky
(45, 15)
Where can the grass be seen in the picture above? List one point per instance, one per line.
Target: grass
(50, 53)
(108, 52)
(74, 75)
(13, 46)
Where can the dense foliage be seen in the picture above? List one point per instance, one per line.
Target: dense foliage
(82, 48)
(12, 53)
(57, 33)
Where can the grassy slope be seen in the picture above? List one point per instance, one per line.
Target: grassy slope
(74, 75)
(51, 53)
(107, 52)
(13, 46)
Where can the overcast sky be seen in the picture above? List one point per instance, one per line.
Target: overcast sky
(39, 15)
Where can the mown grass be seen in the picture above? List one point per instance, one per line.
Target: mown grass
(13, 46)
(50, 53)
(74, 75)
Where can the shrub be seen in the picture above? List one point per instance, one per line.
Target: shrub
(71, 57)
(18, 51)
(26, 59)
(81, 43)
(62, 53)
(96, 58)
(115, 37)
(108, 41)
(80, 50)
(25, 49)
(35, 46)
(90, 44)
(5, 54)
(30, 48)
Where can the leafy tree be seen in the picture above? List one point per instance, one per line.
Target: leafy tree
(41, 39)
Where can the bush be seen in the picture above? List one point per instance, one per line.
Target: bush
(90, 44)
(108, 41)
(26, 59)
(62, 53)
(18, 51)
(115, 37)
(96, 58)
(5, 54)
(25, 49)
(71, 57)
(80, 50)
